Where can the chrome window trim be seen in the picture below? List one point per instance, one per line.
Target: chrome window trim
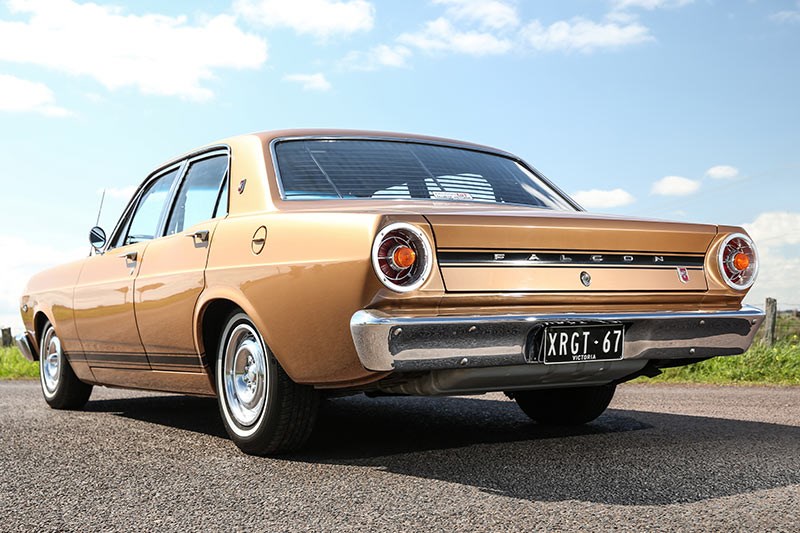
(212, 152)
(171, 165)
(400, 139)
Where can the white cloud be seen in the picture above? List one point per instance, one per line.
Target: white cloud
(675, 186)
(488, 13)
(650, 4)
(321, 18)
(600, 199)
(441, 36)
(722, 172)
(18, 267)
(786, 17)
(775, 229)
(310, 82)
(777, 236)
(379, 56)
(492, 27)
(118, 193)
(584, 35)
(18, 95)
(156, 54)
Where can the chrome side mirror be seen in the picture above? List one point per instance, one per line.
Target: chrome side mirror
(98, 238)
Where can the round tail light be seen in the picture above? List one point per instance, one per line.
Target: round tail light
(402, 257)
(738, 261)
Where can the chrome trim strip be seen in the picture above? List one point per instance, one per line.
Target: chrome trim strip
(400, 138)
(542, 264)
(569, 258)
(387, 342)
(24, 345)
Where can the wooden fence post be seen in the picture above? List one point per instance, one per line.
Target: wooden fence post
(7, 339)
(771, 321)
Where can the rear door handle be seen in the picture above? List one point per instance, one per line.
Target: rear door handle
(201, 235)
(130, 256)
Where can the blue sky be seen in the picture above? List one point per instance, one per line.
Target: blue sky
(673, 109)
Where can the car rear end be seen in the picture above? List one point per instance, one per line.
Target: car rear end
(495, 280)
(535, 301)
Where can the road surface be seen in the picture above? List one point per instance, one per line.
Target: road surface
(663, 457)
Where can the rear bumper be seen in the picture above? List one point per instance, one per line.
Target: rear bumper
(24, 344)
(386, 342)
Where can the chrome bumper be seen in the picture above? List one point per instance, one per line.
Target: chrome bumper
(24, 345)
(387, 342)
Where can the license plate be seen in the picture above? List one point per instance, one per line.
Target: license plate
(582, 343)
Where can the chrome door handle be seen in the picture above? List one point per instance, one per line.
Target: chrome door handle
(129, 256)
(201, 235)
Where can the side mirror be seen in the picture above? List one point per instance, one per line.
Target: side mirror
(97, 237)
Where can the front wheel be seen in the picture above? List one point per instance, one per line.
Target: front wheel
(60, 386)
(565, 407)
(263, 410)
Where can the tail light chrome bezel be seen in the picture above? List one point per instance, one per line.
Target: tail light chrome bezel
(754, 262)
(420, 271)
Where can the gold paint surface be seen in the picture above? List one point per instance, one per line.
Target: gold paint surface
(315, 271)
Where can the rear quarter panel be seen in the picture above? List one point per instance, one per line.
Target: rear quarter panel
(315, 271)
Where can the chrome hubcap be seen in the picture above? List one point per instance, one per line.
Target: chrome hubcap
(51, 361)
(245, 375)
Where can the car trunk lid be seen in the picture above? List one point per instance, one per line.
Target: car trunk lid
(538, 250)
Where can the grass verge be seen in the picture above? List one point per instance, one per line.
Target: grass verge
(14, 366)
(779, 365)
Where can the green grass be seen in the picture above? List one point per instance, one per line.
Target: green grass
(14, 366)
(779, 365)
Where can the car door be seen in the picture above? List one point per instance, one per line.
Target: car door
(170, 280)
(103, 297)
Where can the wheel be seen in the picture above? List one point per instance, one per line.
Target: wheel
(565, 407)
(264, 411)
(60, 386)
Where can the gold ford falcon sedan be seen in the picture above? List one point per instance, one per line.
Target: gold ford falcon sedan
(272, 269)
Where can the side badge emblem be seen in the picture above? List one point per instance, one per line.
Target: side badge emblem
(241, 186)
(683, 274)
(586, 279)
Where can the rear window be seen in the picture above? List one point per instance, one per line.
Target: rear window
(367, 169)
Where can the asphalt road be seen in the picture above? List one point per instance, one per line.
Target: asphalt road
(663, 457)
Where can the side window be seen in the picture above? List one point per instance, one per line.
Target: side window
(145, 222)
(197, 197)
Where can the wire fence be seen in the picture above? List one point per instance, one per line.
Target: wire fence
(786, 323)
(787, 327)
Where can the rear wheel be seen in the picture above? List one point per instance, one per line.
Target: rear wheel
(565, 407)
(264, 411)
(60, 386)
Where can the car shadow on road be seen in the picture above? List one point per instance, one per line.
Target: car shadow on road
(189, 413)
(624, 457)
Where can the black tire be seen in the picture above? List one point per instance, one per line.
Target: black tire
(61, 388)
(565, 407)
(287, 412)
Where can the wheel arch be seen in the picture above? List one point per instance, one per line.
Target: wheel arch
(212, 309)
(40, 318)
